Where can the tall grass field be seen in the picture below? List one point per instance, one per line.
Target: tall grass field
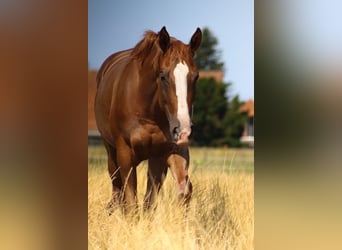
(220, 216)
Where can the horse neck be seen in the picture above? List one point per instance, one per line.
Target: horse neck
(148, 89)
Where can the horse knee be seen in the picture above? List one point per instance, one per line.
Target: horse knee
(185, 194)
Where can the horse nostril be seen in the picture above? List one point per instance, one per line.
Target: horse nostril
(176, 133)
(176, 130)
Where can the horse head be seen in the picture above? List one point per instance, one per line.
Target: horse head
(176, 82)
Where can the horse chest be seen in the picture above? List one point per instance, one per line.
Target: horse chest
(148, 140)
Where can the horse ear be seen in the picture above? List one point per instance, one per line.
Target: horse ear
(164, 39)
(196, 40)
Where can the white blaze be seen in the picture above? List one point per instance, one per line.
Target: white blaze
(180, 73)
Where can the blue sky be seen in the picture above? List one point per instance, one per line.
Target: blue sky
(120, 24)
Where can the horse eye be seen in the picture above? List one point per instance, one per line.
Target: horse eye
(163, 76)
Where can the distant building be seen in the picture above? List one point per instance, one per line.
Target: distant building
(93, 133)
(248, 132)
(216, 74)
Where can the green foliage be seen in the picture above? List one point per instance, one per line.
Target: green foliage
(210, 107)
(208, 57)
(234, 123)
(217, 121)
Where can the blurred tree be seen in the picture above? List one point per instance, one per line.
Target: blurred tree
(216, 120)
(208, 57)
(234, 122)
(210, 107)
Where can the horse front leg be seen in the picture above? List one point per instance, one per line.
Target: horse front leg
(115, 178)
(157, 170)
(128, 176)
(129, 179)
(179, 165)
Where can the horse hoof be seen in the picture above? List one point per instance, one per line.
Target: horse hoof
(110, 208)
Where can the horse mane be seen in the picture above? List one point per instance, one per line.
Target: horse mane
(146, 45)
(148, 50)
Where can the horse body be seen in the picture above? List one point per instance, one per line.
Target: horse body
(143, 126)
(142, 114)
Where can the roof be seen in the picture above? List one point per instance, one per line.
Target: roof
(216, 74)
(248, 107)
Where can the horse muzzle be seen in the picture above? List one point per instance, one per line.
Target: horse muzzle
(181, 138)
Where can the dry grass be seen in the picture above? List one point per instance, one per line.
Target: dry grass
(221, 214)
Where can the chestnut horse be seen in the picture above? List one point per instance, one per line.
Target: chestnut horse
(142, 106)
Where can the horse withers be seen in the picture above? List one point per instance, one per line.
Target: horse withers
(142, 107)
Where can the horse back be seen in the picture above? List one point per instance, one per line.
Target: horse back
(110, 101)
(111, 61)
